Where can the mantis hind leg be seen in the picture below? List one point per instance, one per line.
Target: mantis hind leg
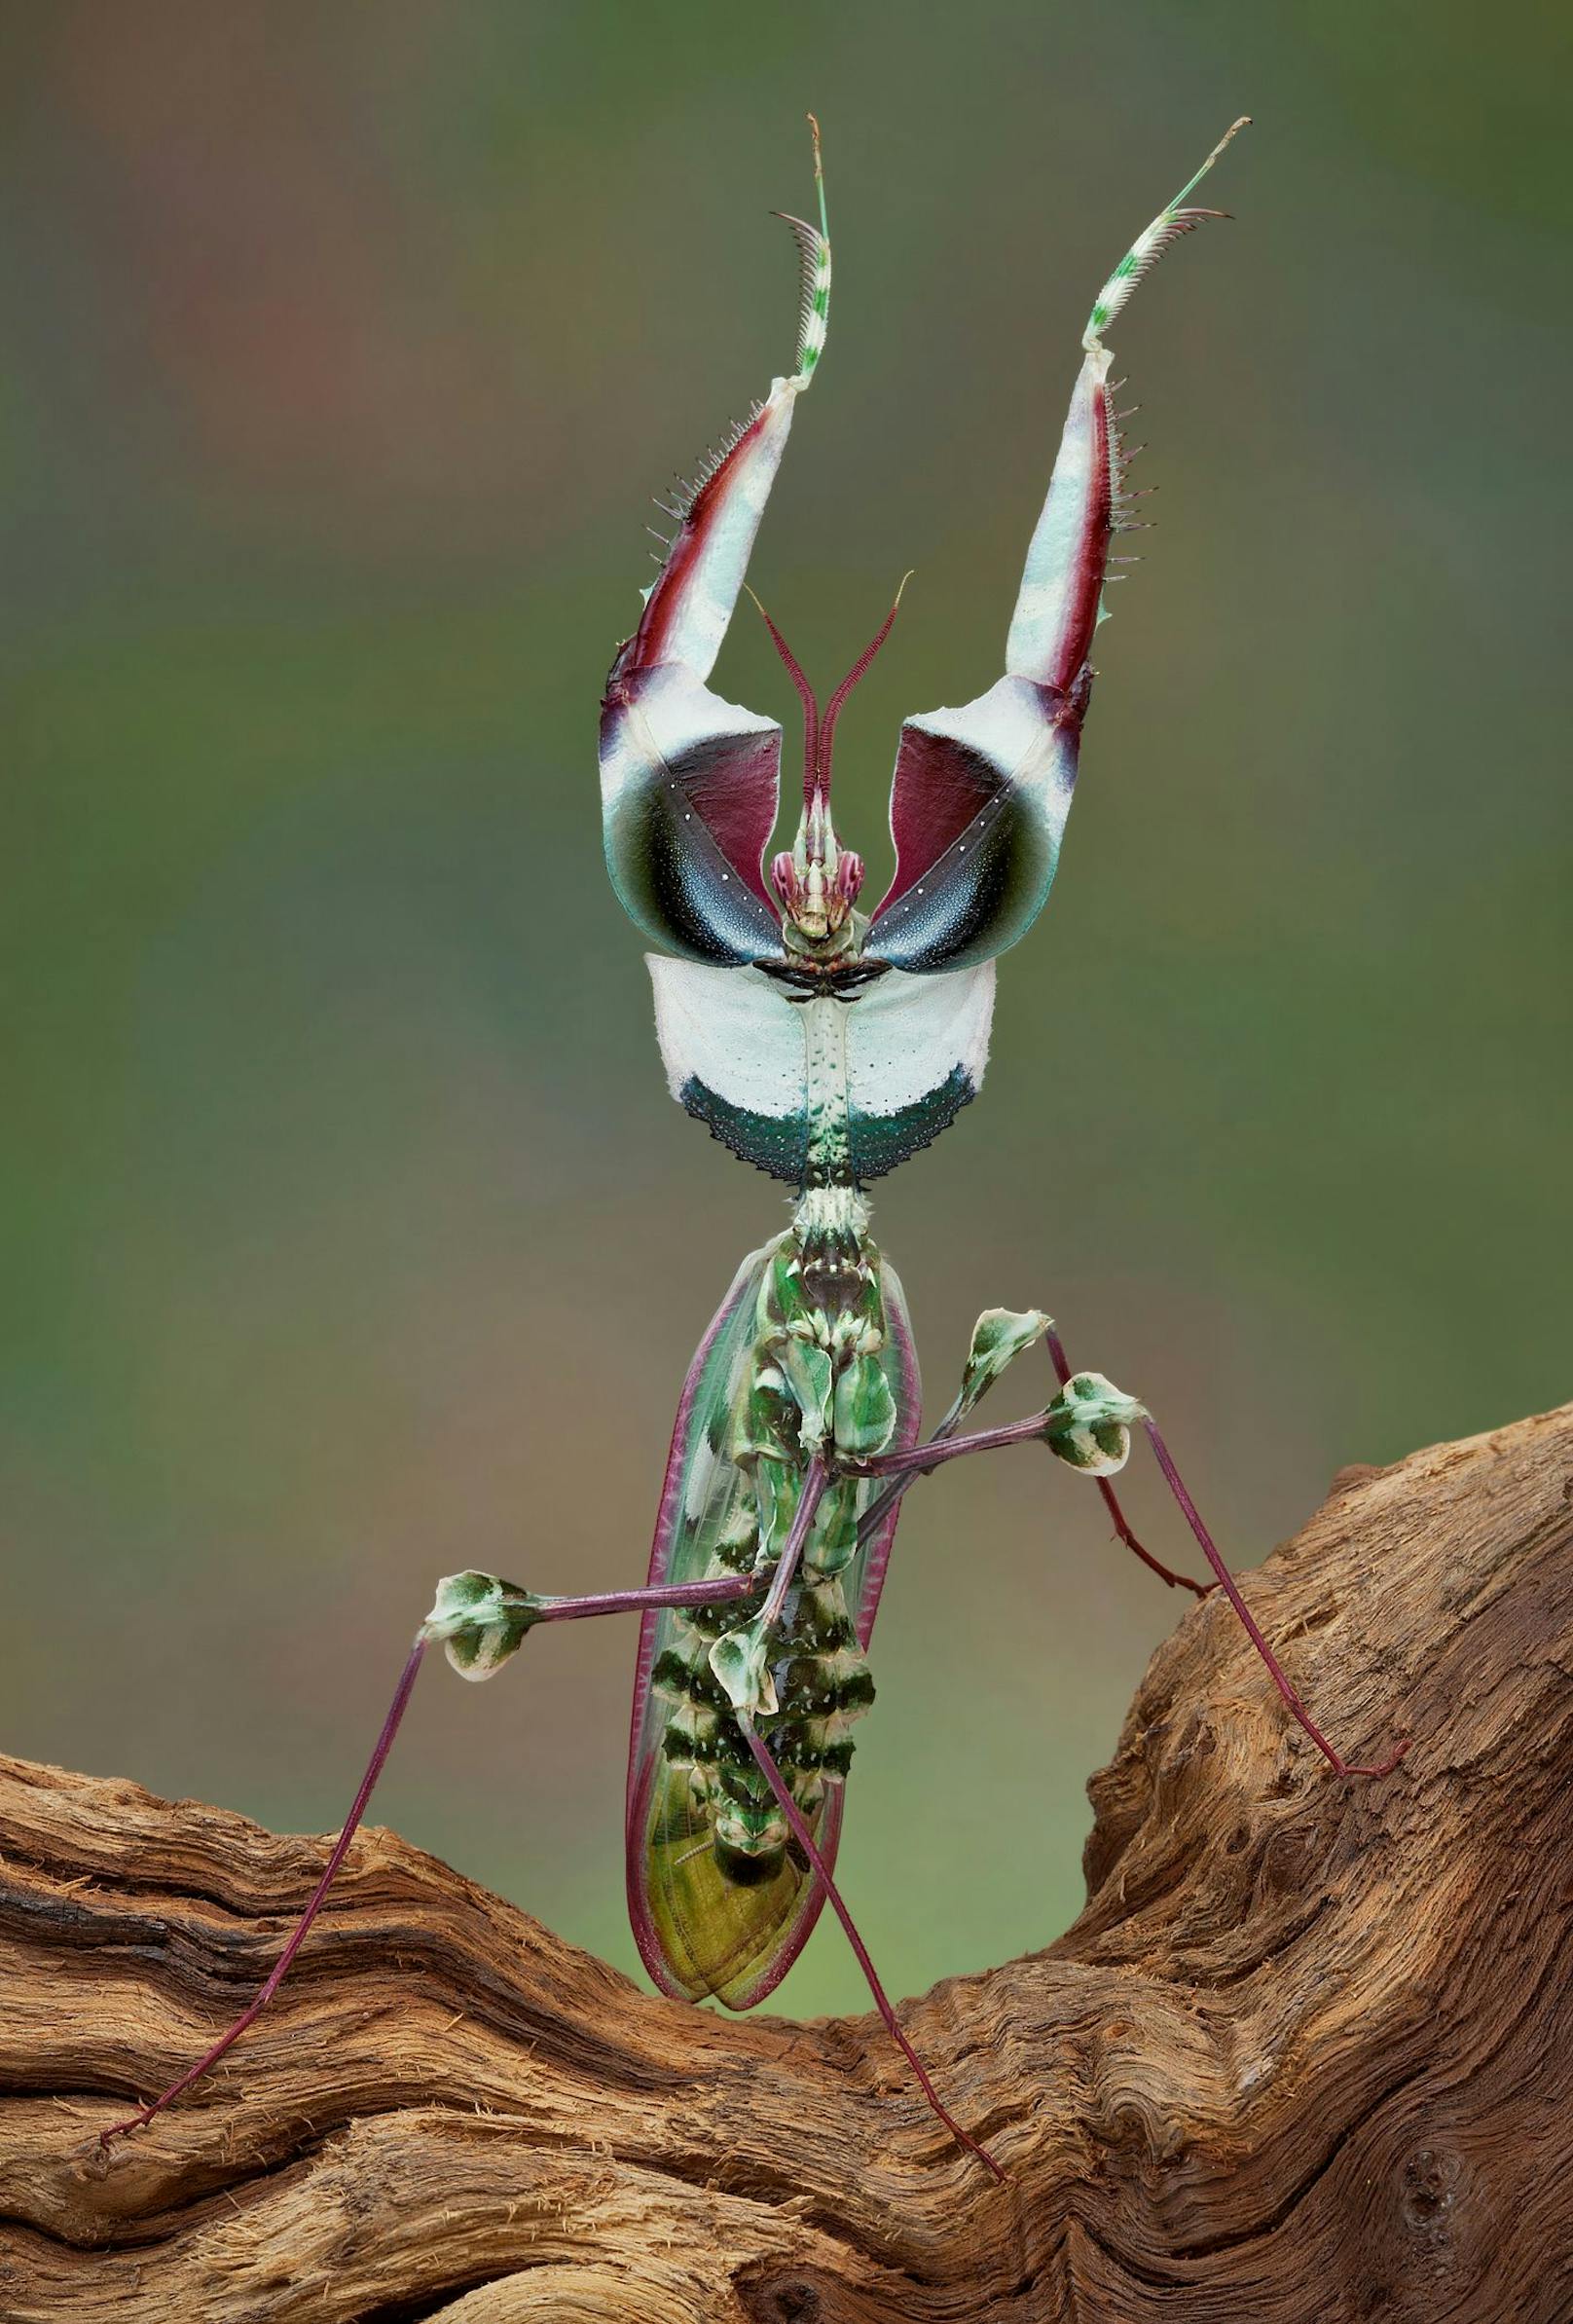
(480, 1621)
(1088, 1426)
(1111, 1500)
(805, 1839)
(998, 1337)
(1231, 1590)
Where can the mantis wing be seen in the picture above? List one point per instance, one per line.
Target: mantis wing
(698, 1934)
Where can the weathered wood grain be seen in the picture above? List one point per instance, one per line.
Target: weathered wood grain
(1306, 2058)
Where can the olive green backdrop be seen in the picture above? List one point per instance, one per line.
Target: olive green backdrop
(346, 1233)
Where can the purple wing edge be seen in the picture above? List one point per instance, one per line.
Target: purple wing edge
(640, 1779)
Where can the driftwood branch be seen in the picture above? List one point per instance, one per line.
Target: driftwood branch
(1306, 2058)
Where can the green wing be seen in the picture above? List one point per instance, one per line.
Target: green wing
(701, 1933)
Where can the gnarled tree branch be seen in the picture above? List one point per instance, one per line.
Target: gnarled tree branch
(1304, 2059)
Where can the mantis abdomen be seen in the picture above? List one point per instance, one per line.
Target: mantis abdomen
(809, 1360)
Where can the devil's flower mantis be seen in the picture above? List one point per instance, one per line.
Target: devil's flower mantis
(825, 1045)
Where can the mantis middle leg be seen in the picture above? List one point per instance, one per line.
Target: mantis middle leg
(1003, 1343)
(482, 1621)
(1088, 1426)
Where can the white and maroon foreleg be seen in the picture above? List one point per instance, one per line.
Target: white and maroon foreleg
(689, 781)
(982, 793)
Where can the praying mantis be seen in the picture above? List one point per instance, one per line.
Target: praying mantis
(824, 1045)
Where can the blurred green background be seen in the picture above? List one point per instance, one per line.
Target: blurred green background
(348, 1234)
